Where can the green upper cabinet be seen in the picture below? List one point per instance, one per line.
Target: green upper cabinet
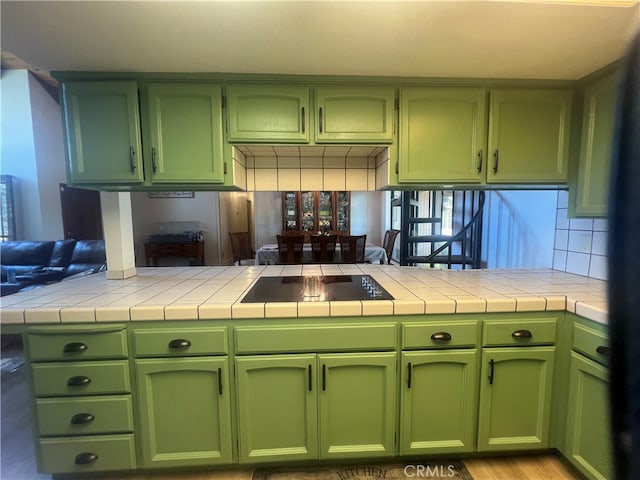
(268, 114)
(184, 411)
(592, 189)
(529, 136)
(515, 398)
(184, 139)
(357, 404)
(444, 422)
(102, 127)
(354, 114)
(442, 135)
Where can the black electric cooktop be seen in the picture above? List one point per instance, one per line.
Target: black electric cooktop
(316, 289)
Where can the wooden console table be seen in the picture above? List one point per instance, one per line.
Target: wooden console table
(194, 250)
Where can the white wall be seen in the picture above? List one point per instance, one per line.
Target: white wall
(519, 229)
(32, 151)
(203, 208)
(235, 210)
(368, 215)
(580, 243)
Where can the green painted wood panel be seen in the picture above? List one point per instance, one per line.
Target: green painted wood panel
(113, 452)
(439, 393)
(592, 188)
(277, 408)
(65, 345)
(442, 135)
(51, 379)
(529, 136)
(354, 114)
(357, 404)
(154, 342)
(185, 131)
(267, 114)
(515, 408)
(588, 428)
(314, 338)
(102, 128)
(111, 414)
(184, 411)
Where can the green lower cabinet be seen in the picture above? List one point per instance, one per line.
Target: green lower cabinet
(184, 411)
(438, 395)
(515, 398)
(357, 404)
(277, 405)
(588, 432)
(304, 407)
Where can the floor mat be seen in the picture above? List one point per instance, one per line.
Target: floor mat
(451, 469)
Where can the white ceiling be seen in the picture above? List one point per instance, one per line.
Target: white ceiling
(449, 38)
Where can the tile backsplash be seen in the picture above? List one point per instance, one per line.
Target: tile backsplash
(580, 243)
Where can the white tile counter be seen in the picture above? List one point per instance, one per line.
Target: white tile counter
(189, 293)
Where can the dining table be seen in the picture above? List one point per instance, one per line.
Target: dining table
(267, 254)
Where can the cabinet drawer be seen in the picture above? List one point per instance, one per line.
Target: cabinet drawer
(84, 416)
(440, 335)
(61, 344)
(309, 338)
(80, 378)
(519, 332)
(591, 343)
(168, 250)
(88, 454)
(164, 342)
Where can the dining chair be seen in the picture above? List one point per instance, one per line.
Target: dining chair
(241, 247)
(352, 248)
(323, 248)
(290, 249)
(388, 242)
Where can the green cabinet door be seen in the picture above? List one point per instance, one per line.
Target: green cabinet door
(184, 411)
(588, 430)
(267, 114)
(438, 394)
(529, 136)
(354, 114)
(592, 188)
(515, 398)
(357, 404)
(185, 133)
(277, 407)
(102, 128)
(442, 135)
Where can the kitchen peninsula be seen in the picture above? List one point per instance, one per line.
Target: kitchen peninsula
(130, 361)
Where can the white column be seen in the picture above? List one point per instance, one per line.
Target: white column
(118, 234)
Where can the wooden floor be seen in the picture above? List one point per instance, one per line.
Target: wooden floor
(18, 454)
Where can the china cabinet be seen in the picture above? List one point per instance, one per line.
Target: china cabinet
(315, 212)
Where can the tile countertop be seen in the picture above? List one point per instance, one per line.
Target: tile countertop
(188, 293)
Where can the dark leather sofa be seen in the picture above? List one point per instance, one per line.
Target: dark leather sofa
(36, 263)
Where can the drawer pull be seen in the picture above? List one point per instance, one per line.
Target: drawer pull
(75, 347)
(85, 458)
(179, 344)
(79, 381)
(518, 334)
(441, 337)
(602, 350)
(82, 418)
(491, 366)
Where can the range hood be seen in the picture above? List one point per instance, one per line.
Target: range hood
(312, 151)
